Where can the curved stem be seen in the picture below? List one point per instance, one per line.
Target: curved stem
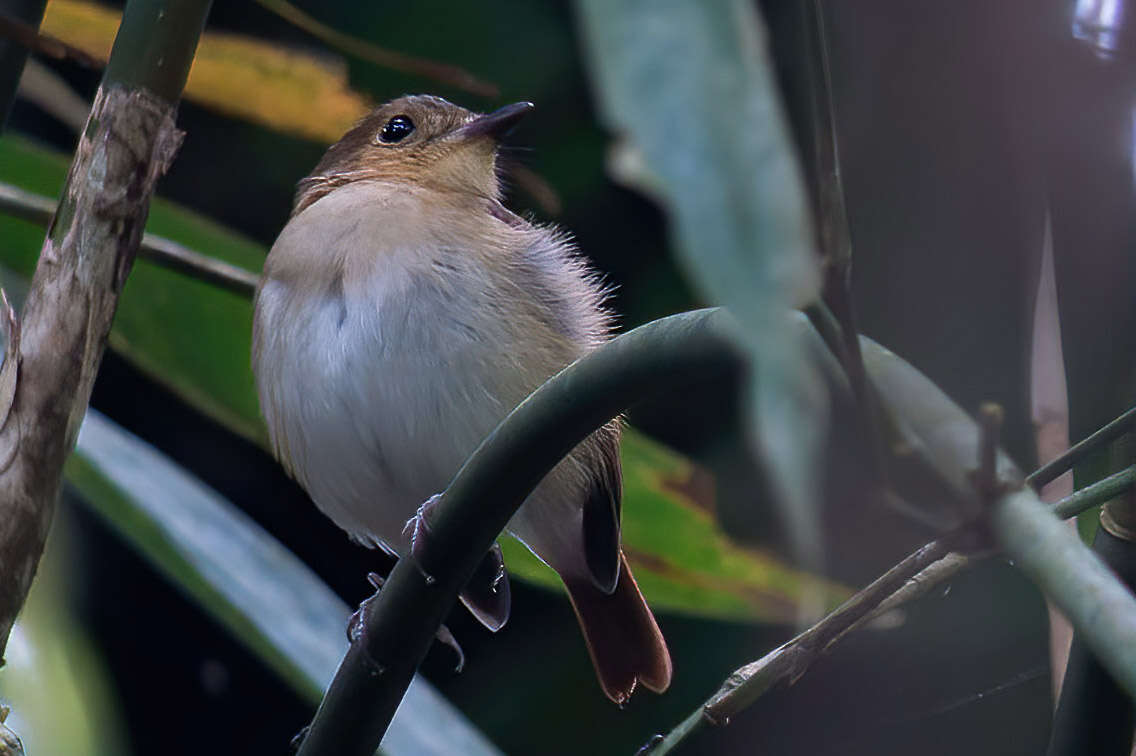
(400, 622)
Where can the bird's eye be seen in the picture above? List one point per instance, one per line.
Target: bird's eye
(396, 129)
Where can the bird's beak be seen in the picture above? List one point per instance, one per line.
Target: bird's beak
(498, 123)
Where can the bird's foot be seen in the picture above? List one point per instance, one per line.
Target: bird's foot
(446, 638)
(355, 624)
(355, 621)
(418, 530)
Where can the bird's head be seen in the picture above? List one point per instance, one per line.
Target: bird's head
(421, 140)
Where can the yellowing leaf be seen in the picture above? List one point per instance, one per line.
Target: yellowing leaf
(237, 75)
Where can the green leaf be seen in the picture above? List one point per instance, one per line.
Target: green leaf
(243, 577)
(190, 336)
(690, 86)
(195, 339)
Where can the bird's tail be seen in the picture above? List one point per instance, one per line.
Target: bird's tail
(623, 639)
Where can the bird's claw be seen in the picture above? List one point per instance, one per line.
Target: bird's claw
(446, 637)
(418, 530)
(355, 621)
(355, 625)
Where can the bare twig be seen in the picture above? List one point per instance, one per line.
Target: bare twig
(44, 44)
(444, 73)
(158, 250)
(1101, 438)
(91, 244)
(834, 235)
(918, 573)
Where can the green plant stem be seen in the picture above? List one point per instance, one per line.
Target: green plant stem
(1098, 493)
(400, 622)
(1101, 610)
(13, 55)
(129, 141)
(1094, 714)
(918, 573)
(158, 250)
(1059, 465)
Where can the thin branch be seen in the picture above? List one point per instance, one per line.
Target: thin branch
(1109, 433)
(34, 40)
(399, 623)
(1098, 493)
(829, 329)
(920, 572)
(128, 143)
(444, 73)
(13, 55)
(834, 235)
(158, 250)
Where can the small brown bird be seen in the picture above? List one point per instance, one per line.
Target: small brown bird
(403, 312)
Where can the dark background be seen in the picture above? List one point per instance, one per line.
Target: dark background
(960, 123)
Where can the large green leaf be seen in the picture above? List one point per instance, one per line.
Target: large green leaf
(189, 335)
(194, 339)
(690, 86)
(244, 578)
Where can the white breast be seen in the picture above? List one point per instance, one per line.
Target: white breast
(377, 376)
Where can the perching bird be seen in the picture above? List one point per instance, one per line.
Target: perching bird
(402, 313)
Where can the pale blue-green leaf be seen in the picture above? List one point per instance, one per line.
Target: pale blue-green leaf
(689, 85)
(243, 577)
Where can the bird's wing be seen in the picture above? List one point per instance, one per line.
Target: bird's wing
(602, 509)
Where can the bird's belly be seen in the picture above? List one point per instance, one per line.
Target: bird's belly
(383, 400)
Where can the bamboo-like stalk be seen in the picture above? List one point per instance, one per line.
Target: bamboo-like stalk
(401, 621)
(45, 384)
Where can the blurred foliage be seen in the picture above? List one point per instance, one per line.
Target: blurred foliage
(237, 75)
(692, 87)
(65, 696)
(242, 577)
(192, 336)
